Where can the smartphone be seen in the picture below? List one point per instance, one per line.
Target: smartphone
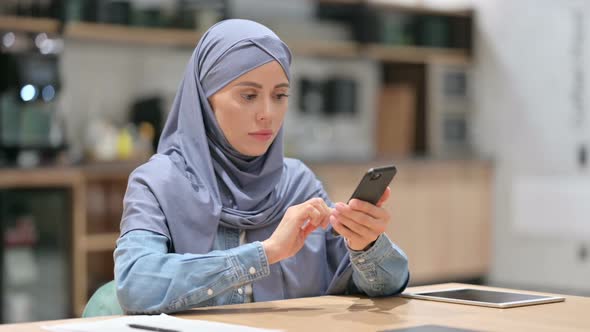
(373, 185)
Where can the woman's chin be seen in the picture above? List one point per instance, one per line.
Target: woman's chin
(253, 152)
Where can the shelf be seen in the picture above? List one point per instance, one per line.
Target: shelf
(397, 6)
(416, 54)
(42, 177)
(100, 242)
(110, 171)
(339, 49)
(189, 39)
(419, 9)
(342, 2)
(29, 24)
(132, 35)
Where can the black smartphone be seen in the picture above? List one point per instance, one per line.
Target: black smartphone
(373, 185)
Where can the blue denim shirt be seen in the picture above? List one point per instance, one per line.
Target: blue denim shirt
(152, 279)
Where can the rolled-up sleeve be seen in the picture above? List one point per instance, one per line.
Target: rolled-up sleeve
(380, 270)
(151, 280)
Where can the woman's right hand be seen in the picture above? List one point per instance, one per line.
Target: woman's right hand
(297, 223)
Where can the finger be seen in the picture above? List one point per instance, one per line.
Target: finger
(306, 214)
(368, 208)
(308, 229)
(361, 230)
(358, 216)
(377, 226)
(321, 205)
(326, 221)
(385, 197)
(343, 230)
(315, 217)
(324, 209)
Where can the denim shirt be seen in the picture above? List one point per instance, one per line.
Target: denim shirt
(150, 278)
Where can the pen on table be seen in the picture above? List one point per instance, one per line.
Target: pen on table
(150, 328)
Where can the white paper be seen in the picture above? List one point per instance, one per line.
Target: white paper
(162, 321)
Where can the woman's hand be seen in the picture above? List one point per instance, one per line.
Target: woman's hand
(297, 223)
(360, 222)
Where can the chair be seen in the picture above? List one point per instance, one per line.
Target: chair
(103, 302)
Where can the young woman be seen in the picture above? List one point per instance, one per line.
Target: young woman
(220, 216)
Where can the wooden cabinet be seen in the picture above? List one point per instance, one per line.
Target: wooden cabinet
(440, 215)
(441, 212)
(97, 203)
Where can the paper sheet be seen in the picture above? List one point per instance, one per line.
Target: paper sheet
(161, 321)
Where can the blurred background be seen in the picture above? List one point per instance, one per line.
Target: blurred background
(480, 103)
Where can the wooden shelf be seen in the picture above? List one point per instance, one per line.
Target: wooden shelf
(101, 242)
(419, 9)
(342, 2)
(39, 177)
(339, 49)
(111, 171)
(401, 7)
(29, 24)
(416, 54)
(132, 35)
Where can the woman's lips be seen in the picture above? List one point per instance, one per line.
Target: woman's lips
(262, 135)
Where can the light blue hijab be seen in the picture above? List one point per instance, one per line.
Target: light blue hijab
(198, 181)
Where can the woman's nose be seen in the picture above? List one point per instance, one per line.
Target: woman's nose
(265, 111)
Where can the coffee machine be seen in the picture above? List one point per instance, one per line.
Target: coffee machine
(31, 132)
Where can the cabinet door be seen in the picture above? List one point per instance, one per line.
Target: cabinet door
(36, 260)
(440, 214)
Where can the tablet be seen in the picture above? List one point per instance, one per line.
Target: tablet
(484, 298)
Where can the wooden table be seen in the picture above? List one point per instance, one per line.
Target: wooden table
(351, 313)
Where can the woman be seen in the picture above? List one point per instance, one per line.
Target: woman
(219, 216)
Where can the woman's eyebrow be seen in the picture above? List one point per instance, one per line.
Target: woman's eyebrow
(256, 85)
(252, 84)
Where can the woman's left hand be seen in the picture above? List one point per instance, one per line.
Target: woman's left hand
(360, 222)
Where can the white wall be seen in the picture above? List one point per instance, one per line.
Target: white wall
(527, 121)
(102, 80)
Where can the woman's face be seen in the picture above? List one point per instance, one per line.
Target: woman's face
(250, 109)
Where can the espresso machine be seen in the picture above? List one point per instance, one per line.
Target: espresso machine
(31, 131)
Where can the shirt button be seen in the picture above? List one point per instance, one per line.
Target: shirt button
(210, 292)
(361, 260)
(240, 291)
(252, 270)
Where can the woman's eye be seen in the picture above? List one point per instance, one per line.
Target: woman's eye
(249, 97)
(282, 95)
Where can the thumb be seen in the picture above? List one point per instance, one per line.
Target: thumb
(385, 197)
